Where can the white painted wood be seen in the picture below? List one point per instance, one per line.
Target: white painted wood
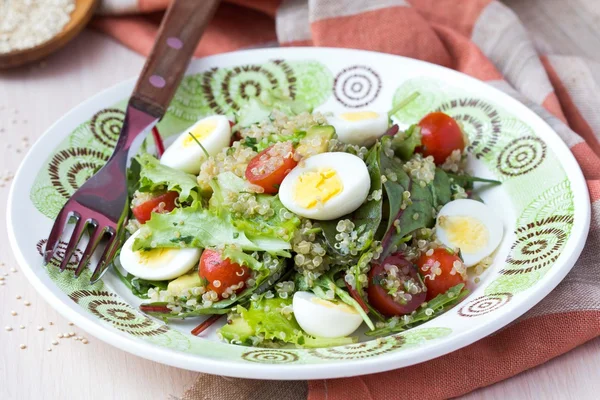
(31, 99)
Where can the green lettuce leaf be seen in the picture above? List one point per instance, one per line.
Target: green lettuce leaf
(264, 318)
(258, 226)
(258, 109)
(155, 176)
(196, 227)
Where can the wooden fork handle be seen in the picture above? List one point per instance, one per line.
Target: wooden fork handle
(178, 36)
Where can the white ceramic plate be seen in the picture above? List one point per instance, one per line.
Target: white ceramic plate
(543, 202)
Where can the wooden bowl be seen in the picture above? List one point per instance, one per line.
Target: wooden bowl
(84, 9)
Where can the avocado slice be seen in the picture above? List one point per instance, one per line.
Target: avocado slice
(307, 146)
(187, 281)
(238, 329)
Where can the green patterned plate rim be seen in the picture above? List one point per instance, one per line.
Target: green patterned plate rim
(543, 202)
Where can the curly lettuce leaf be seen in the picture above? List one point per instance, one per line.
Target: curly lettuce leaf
(155, 176)
(264, 318)
(267, 228)
(259, 109)
(196, 227)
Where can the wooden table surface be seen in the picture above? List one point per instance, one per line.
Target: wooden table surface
(31, 99)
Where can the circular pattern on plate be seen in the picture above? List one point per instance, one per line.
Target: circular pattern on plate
(357, 86)
(360, 350)
(538, 244)
(521, 156)
(484, 304)
(70, 168)
(59, 254)
(106, 306)
(270, 356)
(106, 126)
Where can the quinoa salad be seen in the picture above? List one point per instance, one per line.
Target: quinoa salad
(302, 228)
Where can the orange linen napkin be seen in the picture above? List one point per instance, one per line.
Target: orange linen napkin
(545, 60)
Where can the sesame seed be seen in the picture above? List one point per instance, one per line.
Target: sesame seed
(50, 323)
(22, 346)
(13, 269)
(84, 341)
(60, 335)
(1, 283)
(8, 328)
(27, 303)
(1, 278)
(18, 297)
(13, 313)
(49, 349)
(21, 327)
(55, 342)
(40, 328)
(66, 335)
(71, 324)
(71, 333)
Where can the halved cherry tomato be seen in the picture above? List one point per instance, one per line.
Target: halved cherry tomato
(221, 273)
(270, 166)
(144, 211)
(407, 273)
(440, 136)
(448, 277)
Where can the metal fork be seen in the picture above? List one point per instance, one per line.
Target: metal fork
(101, 204)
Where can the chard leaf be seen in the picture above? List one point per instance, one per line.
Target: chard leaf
(368, 216)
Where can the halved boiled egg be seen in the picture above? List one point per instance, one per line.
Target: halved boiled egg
(214, 133)
(157, 264)
(362, 128)
(326, 186)
(471, 226)
(324, 318)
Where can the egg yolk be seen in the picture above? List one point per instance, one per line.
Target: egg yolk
(466, 233)
(200, 132)
(156, 258)
(342, 307)
(317, 187)
(359, 116)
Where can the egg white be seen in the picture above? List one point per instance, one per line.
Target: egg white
(185, 154)
(359, 127)
(351, 170)
(324, 318)
(480, 212)
(158, 264)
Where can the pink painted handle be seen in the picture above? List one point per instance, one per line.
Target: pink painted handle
(178, 36)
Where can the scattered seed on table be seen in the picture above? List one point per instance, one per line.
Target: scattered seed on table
(50, 323)
(49, 349)
(27, 303)
(60, 335)
(23, 346)
(66, 335)
(1, 283)
(84, 341)
(55, 342)
(21, 327)
(40, 328)
(71, 324)
(8, 328)
(18, 297)
(13, 269)
(1, 278)
(5, 274)
(71, 333)
(13, 313)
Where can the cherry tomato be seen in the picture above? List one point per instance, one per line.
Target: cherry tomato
(270, 166)
(411, 292)
(221, 273)
(144, 211)
(439, 280)
(440, 136)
